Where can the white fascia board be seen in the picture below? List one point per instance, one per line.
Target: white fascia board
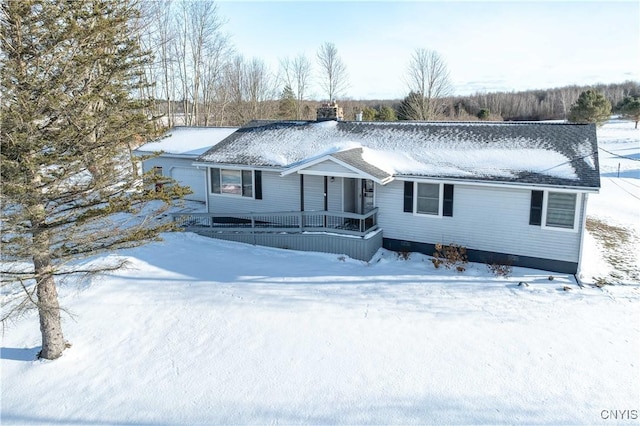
(202, 164)
(497, 184)
(357, 173)
(161, 154)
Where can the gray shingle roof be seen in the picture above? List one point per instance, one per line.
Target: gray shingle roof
(557, 154)
(353, 157)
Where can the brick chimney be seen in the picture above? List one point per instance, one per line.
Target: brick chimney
(329, 111)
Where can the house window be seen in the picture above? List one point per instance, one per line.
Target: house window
(561, 210)
(434, 199)
(428, 198)
(236, 182)
(558, 209)
(231, 182)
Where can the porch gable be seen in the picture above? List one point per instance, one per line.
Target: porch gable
(348, 164)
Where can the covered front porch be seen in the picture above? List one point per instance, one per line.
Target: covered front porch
(333, 195)
(355, 235)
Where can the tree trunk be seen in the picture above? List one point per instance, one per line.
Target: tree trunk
(48, 308)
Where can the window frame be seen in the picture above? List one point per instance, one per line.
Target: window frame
(416, 197)
(545, 211)
(441, 199)
(227, 180)
(245, 187)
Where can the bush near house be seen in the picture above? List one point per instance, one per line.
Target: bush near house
(451, 256)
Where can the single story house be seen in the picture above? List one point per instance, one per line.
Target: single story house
(510, 192)
(177, 150)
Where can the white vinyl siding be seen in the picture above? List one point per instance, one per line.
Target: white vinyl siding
(335, 194)
(489, 219)
(182, 171)
(194, 179)
(313, 192)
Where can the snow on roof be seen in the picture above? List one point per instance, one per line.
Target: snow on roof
(532, 152)
(188, 141)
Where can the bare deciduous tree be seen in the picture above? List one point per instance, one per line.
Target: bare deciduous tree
(428, 79)
(162, 36)
(333, 72)
(207, 47)
(296, 74)
(251, 90)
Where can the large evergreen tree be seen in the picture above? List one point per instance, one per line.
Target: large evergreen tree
(287, 106)
(70, 187)
(386, 113)
(591, 107)
(368, 114)
(406, 110)
(629, 107)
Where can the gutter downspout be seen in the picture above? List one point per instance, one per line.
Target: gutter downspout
(583, 230)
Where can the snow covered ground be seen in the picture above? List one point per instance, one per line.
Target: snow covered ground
(199, 331)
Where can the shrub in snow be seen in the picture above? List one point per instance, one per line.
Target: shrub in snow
(450, 256)
(404, 255)
(499, 269)
(601, 281)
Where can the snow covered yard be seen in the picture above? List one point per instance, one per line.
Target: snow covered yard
(204, 331)
(199, 331)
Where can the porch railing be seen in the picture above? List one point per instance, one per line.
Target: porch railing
(290, 222)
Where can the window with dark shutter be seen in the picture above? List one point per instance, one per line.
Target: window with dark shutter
(535, 213)
(258, 178)
(447, 206)
(408, 197)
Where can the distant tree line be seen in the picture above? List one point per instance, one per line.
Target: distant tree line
(200, 79)
(530, 105)
(544, 104)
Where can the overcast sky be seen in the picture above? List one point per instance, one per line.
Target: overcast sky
(488, 45)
